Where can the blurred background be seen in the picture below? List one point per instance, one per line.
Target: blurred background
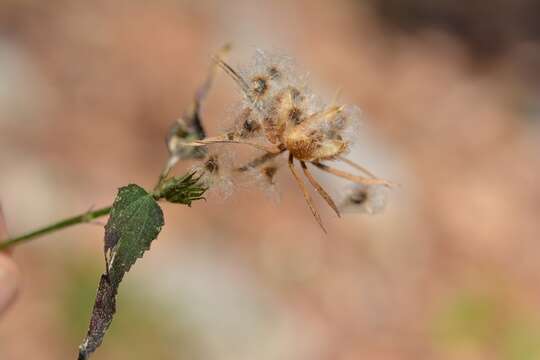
(451, 97)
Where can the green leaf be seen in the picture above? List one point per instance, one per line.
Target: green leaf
(135, 221)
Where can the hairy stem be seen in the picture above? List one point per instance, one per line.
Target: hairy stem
(79, 219)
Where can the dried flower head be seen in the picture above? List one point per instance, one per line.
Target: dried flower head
(279, 114)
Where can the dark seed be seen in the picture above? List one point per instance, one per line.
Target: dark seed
(260, 85)
(295, 115)
(248, 125)
(211, 165)
(295, 94)
(359, 197)
(270, 172)
(274, 72)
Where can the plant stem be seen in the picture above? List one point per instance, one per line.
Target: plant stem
(83, 218)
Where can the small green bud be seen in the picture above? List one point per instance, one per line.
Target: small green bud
(181, 189)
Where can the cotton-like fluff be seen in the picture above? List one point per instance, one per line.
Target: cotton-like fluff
(215, 173)
(280, 115)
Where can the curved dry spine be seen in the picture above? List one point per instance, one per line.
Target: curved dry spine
(319, 188)
(258, 161)
(351, 177)
(357, 166)
(225, 140)
(234, 75)
(307, 197)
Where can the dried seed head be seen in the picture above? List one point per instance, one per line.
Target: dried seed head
(267, 74)
(278, 101)
(279, 107)
(365, 199)
(286, 109)
(291, 115)
(247, 125)
(216, 172)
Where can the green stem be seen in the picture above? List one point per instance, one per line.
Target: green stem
(84, 218)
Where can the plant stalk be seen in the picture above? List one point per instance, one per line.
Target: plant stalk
(79, 219)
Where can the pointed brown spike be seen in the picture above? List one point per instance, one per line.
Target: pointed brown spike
(225, 140)
(258, 161)
(307, 197)
(319, 188)
(234, 75)
(354, 178)
(356, 166)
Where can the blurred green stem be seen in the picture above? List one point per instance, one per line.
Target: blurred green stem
(83, 218)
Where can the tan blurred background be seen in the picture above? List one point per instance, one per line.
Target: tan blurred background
(451, 96)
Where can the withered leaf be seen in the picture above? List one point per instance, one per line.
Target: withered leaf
(102, 315)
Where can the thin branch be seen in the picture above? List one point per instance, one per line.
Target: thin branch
(83, 218)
